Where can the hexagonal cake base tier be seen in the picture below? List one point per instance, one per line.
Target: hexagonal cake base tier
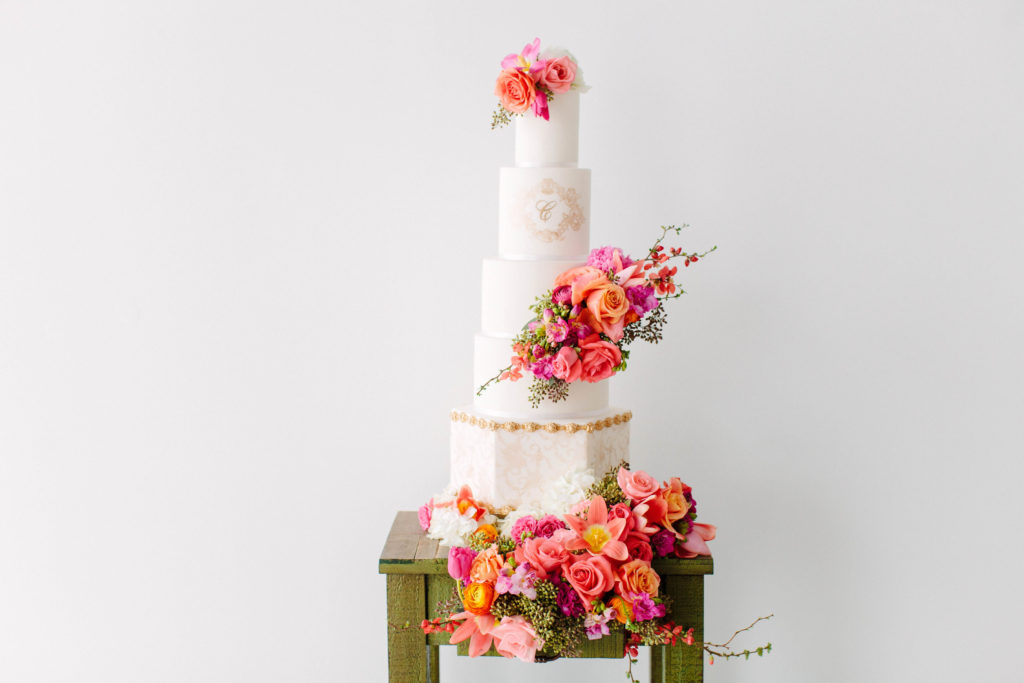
(503, 461)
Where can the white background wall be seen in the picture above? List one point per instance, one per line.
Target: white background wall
(239, 261)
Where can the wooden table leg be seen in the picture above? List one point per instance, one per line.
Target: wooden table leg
(433, 664)
(407, 647)
(684, 663)
(657, 664)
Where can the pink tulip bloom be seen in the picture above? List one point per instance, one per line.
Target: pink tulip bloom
(598, 534)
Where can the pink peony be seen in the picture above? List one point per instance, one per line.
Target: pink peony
(460, 560)
(637, 485)
(591, 576)
(558, 74)
(543, 554)
(566, 365)
(515, 90)
(600, 358)
(515, 637)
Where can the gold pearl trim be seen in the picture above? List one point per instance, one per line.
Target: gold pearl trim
(549, 427)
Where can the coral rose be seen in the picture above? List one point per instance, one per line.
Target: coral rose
(486, 566)
(674, 494)
(591, 576)
(637, 485)
(566, 365)
(558, 74)
(636, 576)
(515, 637)
(600, 358)
(543, 554)
(477, 598)
(608, 302)
(515, 90)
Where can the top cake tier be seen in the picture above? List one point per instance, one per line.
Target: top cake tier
(555, 142)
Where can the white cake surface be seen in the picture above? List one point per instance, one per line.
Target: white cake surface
(554, 142)
(544, 213)
(504, 462)
(509, 288)
(502, 447)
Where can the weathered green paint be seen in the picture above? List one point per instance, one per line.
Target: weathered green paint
(417, 577)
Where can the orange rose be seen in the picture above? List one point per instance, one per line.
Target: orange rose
(486, 566)
(515, 90)
(477, 598)
(636, 576)
(675, 496)
(623, 612)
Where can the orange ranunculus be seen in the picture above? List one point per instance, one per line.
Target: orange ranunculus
(636, 576)
(488, 530)
(477, 598)
(486, 566)
(515, 90)
(623, 611)
(674, 494)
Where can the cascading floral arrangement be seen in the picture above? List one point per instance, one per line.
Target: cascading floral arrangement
(583, 325)
(530, 80)
(537, 590)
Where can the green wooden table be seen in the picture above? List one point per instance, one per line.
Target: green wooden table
(417, 577)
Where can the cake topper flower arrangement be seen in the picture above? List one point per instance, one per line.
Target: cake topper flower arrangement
(531, 79)
(544, 583)
(583, 325)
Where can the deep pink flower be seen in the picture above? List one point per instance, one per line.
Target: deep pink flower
(424, 514)
(547, 525)
(638, 546)
(459, 562)
(525, 527)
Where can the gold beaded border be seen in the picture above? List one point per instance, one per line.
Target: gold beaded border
(549, 427)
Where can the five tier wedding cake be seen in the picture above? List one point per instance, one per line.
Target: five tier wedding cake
(502, 447)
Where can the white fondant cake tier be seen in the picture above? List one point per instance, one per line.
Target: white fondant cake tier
(554, 142)
(544, 213)
(511, 399)
(503, 462)
(509, 288)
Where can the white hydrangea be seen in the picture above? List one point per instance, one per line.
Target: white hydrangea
(450, 527)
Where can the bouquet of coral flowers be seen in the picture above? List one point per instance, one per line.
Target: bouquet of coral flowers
(531, 79)
(582, 326)
(550, 582)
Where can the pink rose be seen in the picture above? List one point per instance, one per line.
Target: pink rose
(622, 511)
(515, 637)
(515, 90)
(600, 358)
(558, 74)
(639, 547)
(562, 536)
(566, 365)
(425, 513)
(543, 554)
(460, 560)
(591, 576)
(637, 485)
(548, 525)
